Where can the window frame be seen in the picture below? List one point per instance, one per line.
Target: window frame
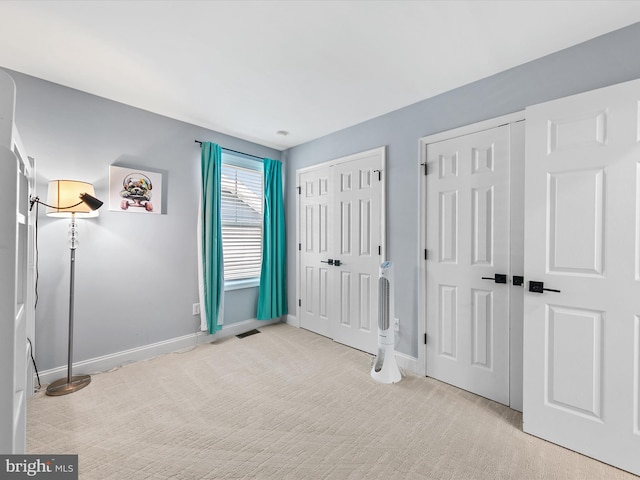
(240, 160)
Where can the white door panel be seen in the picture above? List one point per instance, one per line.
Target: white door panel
(314, 234)
(468, 237)
(358, 223)
(582, 343)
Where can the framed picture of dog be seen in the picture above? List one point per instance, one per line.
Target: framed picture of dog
(134, 190)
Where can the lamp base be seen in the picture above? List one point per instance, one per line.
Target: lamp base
(62, 387)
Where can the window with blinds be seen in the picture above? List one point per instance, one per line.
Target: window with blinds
(241, 212)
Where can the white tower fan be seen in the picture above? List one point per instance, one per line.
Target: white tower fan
(385, 369)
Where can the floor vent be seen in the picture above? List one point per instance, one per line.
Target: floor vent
(246, 334)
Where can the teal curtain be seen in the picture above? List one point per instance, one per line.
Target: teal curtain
(272, 297)
(212, 260)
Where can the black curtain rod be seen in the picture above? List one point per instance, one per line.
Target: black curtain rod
(234, 151)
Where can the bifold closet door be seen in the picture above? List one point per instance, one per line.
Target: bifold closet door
(340, 231)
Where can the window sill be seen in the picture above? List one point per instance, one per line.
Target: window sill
(239, 284)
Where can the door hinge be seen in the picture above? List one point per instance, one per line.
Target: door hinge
(299, 190)
(426, 168)
(299, 302)
(425, 338)
(426, 255)
(300, 247)
(379, 249)
(379, 174)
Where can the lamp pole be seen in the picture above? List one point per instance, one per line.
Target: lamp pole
(71, 383)
(72, 274)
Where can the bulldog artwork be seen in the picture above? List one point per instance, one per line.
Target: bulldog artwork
(136, 192)
(133, 190)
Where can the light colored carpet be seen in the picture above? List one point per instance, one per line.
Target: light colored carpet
(288, 404)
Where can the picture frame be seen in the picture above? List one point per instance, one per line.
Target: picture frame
(135, 191)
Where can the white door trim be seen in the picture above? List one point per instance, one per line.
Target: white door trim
(345, 159)
(422, 240)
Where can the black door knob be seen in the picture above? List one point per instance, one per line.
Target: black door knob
(498, 278)
(538, 287)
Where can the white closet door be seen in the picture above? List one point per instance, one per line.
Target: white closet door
(468, 264)
(582, 241)
(357, 227)
(341, 246)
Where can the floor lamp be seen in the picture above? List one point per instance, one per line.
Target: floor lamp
(70, 199)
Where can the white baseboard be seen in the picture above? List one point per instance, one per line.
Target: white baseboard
(406, 362)
(409, 364)
(146, 352)
(292, 320)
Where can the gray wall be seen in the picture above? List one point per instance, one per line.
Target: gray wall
(136, 274)
(603, 61)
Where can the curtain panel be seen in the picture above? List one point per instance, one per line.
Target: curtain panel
(272, 297)
(211, 262)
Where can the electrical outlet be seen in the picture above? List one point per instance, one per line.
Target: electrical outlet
(396, 325)
(196, 309)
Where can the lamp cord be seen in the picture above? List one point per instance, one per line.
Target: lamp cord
(35, 303)
(34, 363)
(36, 200)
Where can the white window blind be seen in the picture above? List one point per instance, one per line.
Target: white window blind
(241, 212)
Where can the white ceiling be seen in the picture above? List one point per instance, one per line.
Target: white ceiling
(251, 68)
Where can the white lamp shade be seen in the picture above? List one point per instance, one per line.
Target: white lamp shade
(64, 199)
